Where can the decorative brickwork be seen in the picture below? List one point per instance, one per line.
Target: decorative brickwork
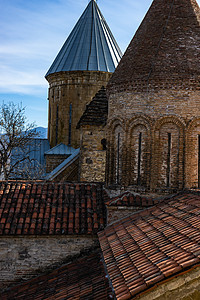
(153, 127)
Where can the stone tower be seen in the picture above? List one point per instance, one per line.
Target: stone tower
(84, 64)
(154, 102)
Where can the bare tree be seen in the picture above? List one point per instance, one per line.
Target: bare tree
(16, 133)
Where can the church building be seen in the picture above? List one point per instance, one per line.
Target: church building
(154, 103)
(138, 127)
(84, 64)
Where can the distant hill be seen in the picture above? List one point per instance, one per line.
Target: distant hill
(42, 132)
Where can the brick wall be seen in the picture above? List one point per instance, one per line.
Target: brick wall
(168, 123)
(24, 257)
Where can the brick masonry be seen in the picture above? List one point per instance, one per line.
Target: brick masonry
(22, 258)
(154, 102)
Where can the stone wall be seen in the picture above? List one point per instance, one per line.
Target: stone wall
(69, 173)
(22, 258)
(52, 161)
(76, 88)
(92, 154)
(153, 139)
(185, 286)
(116, 213)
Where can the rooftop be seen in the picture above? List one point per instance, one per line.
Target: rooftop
(152, 245)
(60, 149)
(90, 46)
(84, 278)
(51, 208)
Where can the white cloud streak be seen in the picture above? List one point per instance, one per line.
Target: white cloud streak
(32, 33)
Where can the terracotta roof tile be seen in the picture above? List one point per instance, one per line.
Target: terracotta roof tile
(82, 279)
(149, 246)
(51, 208)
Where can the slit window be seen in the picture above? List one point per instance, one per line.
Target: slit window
(139, 158)
(57, 125)
(70, 124)
(169, 159)
(118, 158)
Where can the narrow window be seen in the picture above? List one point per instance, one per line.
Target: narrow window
(169, 159)
(118, 158)
(139, 158)
(57, 125)
(70, 124)
(199, 161)
(49, 129)
(104, 144)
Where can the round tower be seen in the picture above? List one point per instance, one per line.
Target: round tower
(84, 64)
(154, 102)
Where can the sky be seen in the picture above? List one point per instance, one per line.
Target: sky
(31, 35)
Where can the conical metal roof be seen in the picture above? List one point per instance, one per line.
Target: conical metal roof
(165, 47)
(90, 46)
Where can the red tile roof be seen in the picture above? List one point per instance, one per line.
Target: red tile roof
(51, 208)
(132, 199)
(148, 247)
(82, 279)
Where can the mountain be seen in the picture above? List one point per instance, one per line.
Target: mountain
(42, 132)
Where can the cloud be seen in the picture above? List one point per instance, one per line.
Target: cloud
(32, 32)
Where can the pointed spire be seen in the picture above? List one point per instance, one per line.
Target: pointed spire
(165, 46)
(90, 46)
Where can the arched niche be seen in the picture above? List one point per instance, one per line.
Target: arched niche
(192, 149)
(115, 152)
(169, 153)
(139, 152)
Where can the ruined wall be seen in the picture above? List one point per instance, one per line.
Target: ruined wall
(70, 91)
(92, 153)
(21, 258)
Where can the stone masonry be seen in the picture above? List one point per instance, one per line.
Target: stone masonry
(22, 258)
(93, 138)
(75, 88)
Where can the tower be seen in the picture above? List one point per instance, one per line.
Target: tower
(154, 102)
(84, 64)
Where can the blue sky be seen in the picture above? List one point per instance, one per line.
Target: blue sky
(32, 33)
